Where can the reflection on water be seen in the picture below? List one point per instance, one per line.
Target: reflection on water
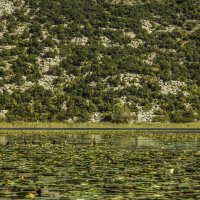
(98, 166)
(3, 140)
(103, 139)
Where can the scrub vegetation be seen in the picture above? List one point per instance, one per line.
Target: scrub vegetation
(100, 60)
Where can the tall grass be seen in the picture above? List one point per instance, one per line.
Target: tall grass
(97, 125)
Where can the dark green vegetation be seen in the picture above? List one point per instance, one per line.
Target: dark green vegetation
(114, 166)
(100, 60)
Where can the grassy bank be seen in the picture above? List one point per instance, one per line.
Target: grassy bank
(100, 125)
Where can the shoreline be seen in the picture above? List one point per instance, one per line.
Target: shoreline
(102, 125)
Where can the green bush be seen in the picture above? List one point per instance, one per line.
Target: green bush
(122, 114)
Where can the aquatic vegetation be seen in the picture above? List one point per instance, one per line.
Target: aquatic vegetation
(99, 165)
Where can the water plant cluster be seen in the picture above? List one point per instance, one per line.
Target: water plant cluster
(99, 165)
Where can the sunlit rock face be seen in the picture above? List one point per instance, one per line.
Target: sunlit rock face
(6, 7)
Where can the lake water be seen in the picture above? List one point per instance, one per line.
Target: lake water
(83, 166)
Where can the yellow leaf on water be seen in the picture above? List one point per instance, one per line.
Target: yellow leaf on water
(118, 197)
(10, 182)
(30, 195)
(84, 184)
(197, 153)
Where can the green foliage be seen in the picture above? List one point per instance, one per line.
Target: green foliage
(182, 116)
(82, 51)
(122, 114)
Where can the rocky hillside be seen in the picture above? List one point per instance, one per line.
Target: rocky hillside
(100, 60)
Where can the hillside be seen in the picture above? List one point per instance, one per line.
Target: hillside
(100, 60)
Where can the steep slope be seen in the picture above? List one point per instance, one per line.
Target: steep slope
(100, 60)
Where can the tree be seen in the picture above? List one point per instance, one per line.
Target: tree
(122, 114)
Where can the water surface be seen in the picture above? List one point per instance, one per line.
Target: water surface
(80, 166)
